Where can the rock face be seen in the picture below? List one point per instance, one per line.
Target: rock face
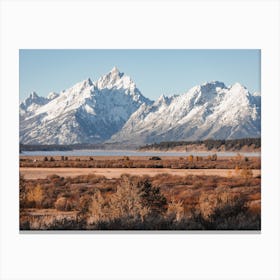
(209, 111)
(112, 109)
(85, 113)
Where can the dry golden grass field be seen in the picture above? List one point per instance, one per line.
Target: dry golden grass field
(140, 193)
(40, 173)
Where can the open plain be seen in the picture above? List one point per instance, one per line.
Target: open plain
(41, 173)
(140, 193)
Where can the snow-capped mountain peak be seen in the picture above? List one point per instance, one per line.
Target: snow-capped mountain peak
(237, 86)
(52, 95)
(163, 99)
(209, 88)
(31, 103)
(213, 85)
(115, 70)
(80, 86)
(115, 79)
(256, 94)
(85, 113)
(89, 82)
(33, 95)
(33, 98)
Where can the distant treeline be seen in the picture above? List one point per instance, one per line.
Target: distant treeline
(210, 144)
(23, 147)
(72, 147)
(234, 144)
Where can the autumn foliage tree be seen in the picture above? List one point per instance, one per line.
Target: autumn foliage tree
(35, 196)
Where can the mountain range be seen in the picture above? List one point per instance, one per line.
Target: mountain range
(113, 110)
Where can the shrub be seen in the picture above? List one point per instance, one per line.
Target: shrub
(63, 204)
(214, 157)
(22, 191)
(47, 203)
(226, 210)
(127, 201)
(246, 173)
(155, 158)
(198, 158)
(237, 170)
(84, 205)
(132, 201)
(175, 209)
(229, 174)
(190, 158)
(233, 214)
(238, 157)
(97, 208)
(151, 197)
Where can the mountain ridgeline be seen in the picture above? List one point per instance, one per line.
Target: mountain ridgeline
(112, 110)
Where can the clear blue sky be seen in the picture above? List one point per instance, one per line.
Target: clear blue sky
(155, 72)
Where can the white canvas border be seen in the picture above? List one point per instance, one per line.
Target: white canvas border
(125, 24)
